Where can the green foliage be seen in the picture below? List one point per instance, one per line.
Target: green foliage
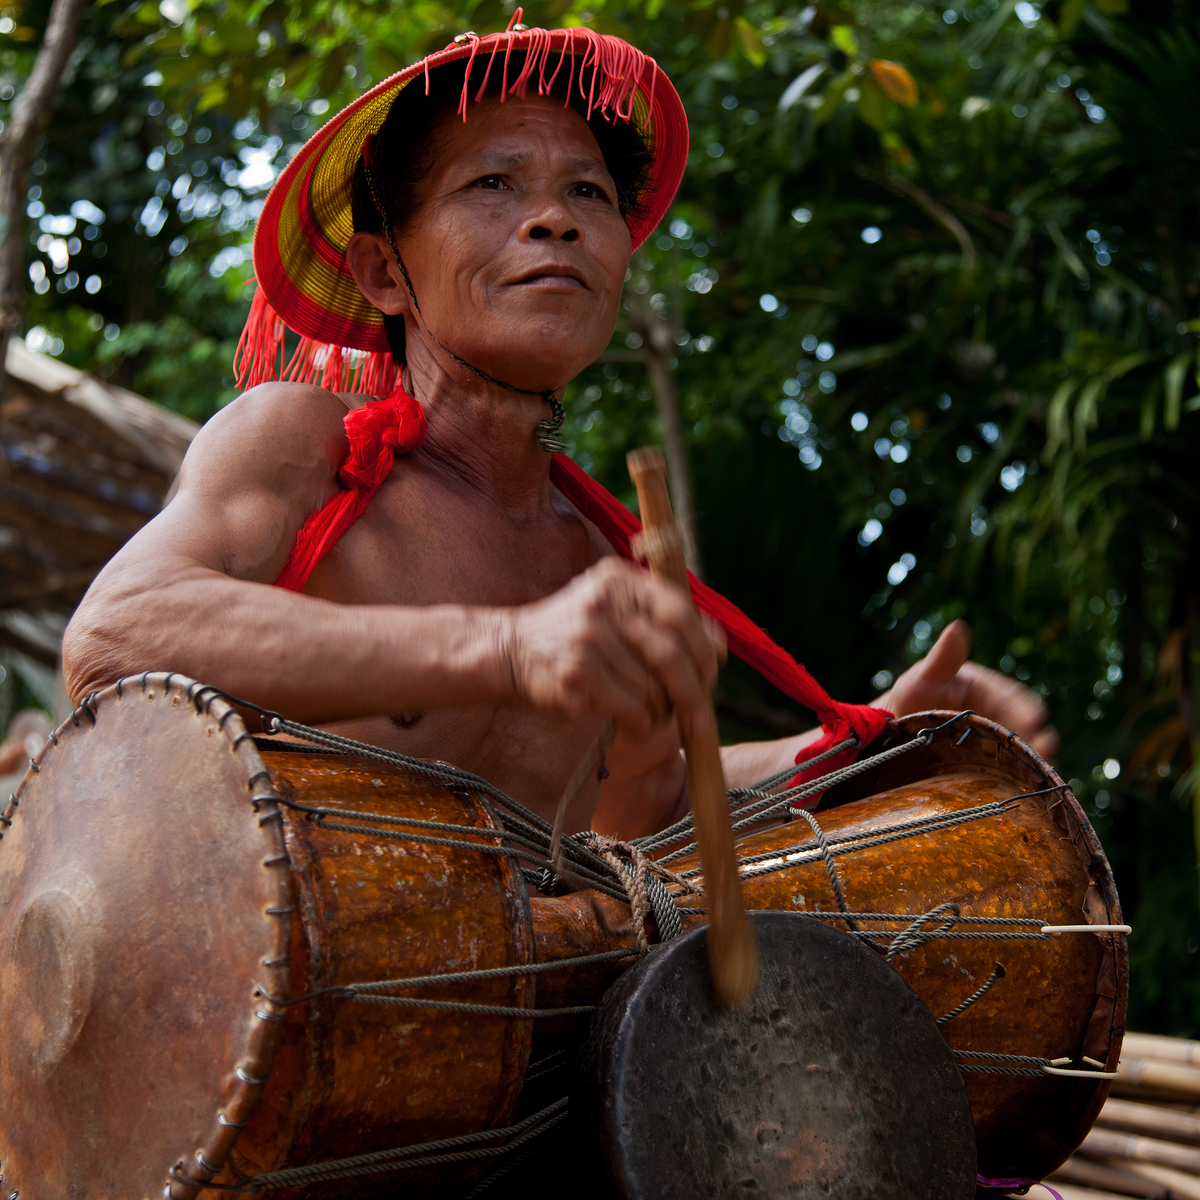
(935, 358)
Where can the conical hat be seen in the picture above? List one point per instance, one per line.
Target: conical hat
(304, 281)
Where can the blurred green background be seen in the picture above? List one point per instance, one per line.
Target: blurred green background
(928, 299)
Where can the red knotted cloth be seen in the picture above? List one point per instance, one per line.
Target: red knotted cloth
(378, 431)
(381, 429)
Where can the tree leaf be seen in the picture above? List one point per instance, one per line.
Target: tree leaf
(895, 82)
(750, 41)
(796, 89)
(834, 95)
(1070, 16)
(842, 36)
(1173, 375)
(1073, 261)
(1056, 418)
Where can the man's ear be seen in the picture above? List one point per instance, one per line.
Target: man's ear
(376, 273)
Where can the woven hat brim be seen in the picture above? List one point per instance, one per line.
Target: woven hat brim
(301, 236)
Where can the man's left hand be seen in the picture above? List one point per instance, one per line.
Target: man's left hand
(945, 679)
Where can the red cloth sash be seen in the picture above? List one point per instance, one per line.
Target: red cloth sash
(378, 431)
(381, 429)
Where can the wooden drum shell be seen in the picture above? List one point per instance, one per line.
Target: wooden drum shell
(352, 1078)
(1063, 996)
(154, 874)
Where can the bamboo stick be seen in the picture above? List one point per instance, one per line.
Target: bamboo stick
(1154, 1045)
(1151, 1120)
(1067, 1192)
(1108, 1143)
(1182, 1185)
(1139, 1075)
(1086, 1172)
(732, 951)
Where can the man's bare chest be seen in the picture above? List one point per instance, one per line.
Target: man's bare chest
(420, 546)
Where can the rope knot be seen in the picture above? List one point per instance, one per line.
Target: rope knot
(632, 868)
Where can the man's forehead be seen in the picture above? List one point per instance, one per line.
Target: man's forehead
(512, 157)
(518, 132)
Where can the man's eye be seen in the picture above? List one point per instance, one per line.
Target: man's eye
(590, 191)
(491, 182)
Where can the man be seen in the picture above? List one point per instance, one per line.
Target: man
(469, 612)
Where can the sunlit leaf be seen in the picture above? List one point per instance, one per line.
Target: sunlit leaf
(895, 81)
(872, 104)
(843, 37)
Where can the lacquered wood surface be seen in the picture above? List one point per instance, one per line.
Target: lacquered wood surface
(350, 1077)
(150, 882)
(1061, 997)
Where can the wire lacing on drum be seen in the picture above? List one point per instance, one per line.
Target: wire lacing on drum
(624, 871)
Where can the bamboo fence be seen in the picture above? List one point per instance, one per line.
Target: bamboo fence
(1146, 1141)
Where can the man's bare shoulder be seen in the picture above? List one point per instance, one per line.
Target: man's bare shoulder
(276, 435)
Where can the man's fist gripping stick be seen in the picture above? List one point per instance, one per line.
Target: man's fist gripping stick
(732, 951)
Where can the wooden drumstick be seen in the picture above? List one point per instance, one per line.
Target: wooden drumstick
(732, 950)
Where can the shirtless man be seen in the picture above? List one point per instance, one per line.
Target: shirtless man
(472, 614)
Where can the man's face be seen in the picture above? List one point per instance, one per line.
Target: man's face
(518, 252)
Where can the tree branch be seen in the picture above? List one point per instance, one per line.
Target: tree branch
(943, 216)
(30, 112)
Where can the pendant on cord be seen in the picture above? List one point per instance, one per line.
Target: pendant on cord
(548, 435)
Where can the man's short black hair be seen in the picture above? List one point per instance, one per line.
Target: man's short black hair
(403, 153)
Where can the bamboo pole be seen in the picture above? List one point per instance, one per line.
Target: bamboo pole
(1109, 1143)
(1141, 1075)
(1067, 1192)
(1101, 1178)
(1182, 1185)
(1154, 1045)
(733, 954)
(1150, 1120)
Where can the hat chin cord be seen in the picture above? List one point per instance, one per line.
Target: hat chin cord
(548, 433)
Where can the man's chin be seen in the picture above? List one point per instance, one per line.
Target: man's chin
(539, 355)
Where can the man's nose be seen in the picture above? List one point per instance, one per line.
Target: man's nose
(551, 220)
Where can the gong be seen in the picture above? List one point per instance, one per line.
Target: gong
(834, 1082)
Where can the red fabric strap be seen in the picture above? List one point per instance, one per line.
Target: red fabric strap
(750, 643)
(381, 429)
(378, 431)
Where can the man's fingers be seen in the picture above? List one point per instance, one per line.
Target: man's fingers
(1005, 700)
(949, 653)
(636, 679)
(675, 669)
(669, 606)
(1047, 742)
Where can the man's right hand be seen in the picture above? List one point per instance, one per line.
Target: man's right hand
(615, 641)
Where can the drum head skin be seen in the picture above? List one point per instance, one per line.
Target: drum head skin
(834, 1082)
(144, 912)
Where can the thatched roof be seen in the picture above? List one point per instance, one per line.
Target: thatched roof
(85, 466)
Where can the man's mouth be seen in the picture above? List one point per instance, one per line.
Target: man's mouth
(554, 277)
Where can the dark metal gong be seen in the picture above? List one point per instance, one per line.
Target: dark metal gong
(834, 1082)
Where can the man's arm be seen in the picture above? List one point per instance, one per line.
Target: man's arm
(192, 592)
(943, 679)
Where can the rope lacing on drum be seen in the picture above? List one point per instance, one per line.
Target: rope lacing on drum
(426, 1154)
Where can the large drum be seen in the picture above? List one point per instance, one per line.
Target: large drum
(209, 941)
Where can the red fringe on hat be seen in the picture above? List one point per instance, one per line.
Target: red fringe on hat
(611, 66)
(259, 358)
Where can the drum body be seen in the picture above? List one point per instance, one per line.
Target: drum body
(157, 902)
(167, 912)
(931, 828)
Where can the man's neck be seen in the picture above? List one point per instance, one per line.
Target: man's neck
(482, 434)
